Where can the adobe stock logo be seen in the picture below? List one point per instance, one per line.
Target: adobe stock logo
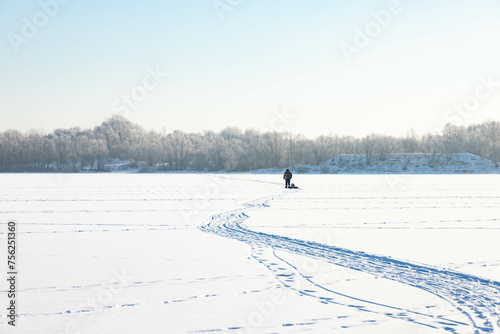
(487, 88)
(223, 6)
(280, 121)
(131, 100)
(31, 27)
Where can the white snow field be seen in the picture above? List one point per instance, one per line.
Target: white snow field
(238, 253)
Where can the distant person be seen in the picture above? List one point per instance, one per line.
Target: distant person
(287, 176)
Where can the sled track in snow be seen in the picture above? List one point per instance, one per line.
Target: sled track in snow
(478, 299)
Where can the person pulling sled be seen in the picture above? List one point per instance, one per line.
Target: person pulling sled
(287, 176)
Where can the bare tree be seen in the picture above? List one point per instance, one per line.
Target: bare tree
(323, 148)
(179, 148)
(275, 145)
(410, 142)
(431, 146)
(383, 145)
(492, 135)
(368, 147)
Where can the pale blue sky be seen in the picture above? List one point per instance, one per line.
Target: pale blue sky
(265, 55)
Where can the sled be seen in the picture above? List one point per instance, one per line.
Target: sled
(292, 186)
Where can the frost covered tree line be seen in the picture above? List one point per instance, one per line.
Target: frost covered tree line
(232, 149)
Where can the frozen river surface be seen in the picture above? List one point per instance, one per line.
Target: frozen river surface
(238, 253)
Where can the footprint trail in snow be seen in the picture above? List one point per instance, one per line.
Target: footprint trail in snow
(478, 299)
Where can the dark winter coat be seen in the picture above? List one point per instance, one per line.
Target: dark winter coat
(287, 175)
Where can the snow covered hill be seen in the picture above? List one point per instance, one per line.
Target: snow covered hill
(459, 163)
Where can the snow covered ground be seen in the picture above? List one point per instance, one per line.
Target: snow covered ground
(238, 253)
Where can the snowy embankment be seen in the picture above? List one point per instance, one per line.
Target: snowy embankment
(458, 163)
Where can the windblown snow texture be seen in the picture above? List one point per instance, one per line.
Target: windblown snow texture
(478, 299)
